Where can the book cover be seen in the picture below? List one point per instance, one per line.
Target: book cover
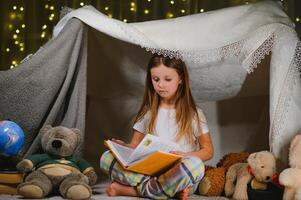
(144, 158)
(8, 189)
(11, 177)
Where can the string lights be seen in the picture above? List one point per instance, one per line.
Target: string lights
(131, 11)
(15, 46)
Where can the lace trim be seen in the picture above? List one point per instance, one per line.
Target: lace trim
(202, 56)
(260, 53)
(213, 55)
(282, 108)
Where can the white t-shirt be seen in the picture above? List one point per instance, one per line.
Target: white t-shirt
(166, 128)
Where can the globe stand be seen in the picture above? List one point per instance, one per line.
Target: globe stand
(8, 163)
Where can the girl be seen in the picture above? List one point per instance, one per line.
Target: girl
(168, 111)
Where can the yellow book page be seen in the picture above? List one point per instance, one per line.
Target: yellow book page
(155, 163)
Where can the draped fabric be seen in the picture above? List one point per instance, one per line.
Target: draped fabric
(220, 47)
(215, 44)
(48, 88)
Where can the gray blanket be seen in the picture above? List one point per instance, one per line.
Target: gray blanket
(49, 87)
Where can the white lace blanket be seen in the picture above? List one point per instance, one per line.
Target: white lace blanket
(219, 41)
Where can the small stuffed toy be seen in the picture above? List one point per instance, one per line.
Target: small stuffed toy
(261, 166)
(57, 168)
(213, 182)
(291, 178)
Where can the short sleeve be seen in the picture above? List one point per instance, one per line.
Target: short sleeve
(141, 125)
(203, 126)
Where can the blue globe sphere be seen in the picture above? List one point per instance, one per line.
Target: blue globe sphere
(11, 138)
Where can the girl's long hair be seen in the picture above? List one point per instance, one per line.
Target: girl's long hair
(185, 106)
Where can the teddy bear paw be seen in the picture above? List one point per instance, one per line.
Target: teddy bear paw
(78, 192)
(204, 186)
(25, 165)
(30, 191)
(240, 195)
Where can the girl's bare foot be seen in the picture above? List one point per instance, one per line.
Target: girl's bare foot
(184, 194)
(117, 189)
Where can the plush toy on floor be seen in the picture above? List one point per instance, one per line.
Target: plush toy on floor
(57, 169)
(291, 178)
(214, 180)
(261, 167)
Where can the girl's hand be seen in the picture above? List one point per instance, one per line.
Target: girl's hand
(180, 153)
(121, 142)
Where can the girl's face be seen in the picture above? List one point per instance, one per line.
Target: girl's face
(165, 81)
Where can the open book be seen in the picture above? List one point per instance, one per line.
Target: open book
(150, 157)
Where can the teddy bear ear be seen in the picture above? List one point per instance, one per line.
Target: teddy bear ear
(78, 134)
(44, 129)
(295, 141)
(252, 158)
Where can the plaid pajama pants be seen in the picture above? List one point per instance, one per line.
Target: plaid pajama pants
(185, 174)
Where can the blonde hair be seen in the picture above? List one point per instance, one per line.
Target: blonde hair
(185, 106)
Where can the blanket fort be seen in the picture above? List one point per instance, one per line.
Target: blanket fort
(220, 47)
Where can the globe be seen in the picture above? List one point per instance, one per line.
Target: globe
(11, 138)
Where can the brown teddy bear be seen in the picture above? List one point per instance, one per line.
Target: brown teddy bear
(57, 168)
(261, 166)
(214, 180)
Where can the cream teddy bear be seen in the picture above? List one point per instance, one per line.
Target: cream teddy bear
(291, 178)
(261, 166)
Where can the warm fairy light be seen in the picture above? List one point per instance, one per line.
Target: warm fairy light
(14, 7)
(43, 34)
(17, 31)
(110, 15)
(182, 11)
(16, 42)
(82, 4)
(51, 17)
(46, 6)
(51, 8)
(21, 44)
(133, 4)
(125, 20)
(246, 2)
(169, 15)
(14, 62)
(107, 8)
(15, 36)
(22, 49)
(7, 49)
(146, 11)
(20, 16)
(12, 66)
(149, 0)
(23, 25)
(297, 19)
(132, 9)
(44, 26)
(202, 10)
(21, 8)
(12, 16)
(10, 26)
(172, 2)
